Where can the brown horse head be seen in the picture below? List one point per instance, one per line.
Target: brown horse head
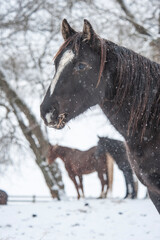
(52, 154)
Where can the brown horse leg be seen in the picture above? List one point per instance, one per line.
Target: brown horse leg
(155, 199)
(75, 183)
(81, 184)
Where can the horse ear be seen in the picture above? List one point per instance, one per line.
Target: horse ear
(88, 32)
(89, 35)
(67, 31)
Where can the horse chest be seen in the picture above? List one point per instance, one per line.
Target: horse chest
(145, 162)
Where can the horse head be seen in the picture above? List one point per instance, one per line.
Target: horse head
(76, 85)
(52, 154)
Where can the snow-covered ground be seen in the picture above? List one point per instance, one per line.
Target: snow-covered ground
(84, 219)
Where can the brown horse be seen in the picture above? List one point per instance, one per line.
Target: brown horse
(79, 162)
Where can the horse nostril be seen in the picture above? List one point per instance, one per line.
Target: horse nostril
(49, 111)
(51, 116)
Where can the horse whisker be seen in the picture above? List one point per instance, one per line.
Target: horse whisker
(61, 118)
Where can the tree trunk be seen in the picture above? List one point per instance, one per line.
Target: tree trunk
(34, 135)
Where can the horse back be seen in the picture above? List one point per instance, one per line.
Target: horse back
(81, 162)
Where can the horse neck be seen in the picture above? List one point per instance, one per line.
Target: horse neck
(116, 116)
(61, 152)
(121, 104)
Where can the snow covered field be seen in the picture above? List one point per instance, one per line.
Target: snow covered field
(85, 219)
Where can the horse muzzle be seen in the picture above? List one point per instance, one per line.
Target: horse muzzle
(54, 120)
(59, 123)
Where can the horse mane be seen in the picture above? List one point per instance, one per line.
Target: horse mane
(137, 79)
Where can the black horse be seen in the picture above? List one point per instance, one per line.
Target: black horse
(117, 150)
(91, 70)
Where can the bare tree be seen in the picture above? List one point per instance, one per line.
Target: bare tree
(18, 123)
(149, 27)
(33, 134)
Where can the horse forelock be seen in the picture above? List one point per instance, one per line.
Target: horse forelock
(75, 42)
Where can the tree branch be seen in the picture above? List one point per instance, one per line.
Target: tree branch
(130, 17)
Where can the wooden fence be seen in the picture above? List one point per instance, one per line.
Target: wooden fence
(32, 198)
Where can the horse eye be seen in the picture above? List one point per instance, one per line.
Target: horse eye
(81, 66)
